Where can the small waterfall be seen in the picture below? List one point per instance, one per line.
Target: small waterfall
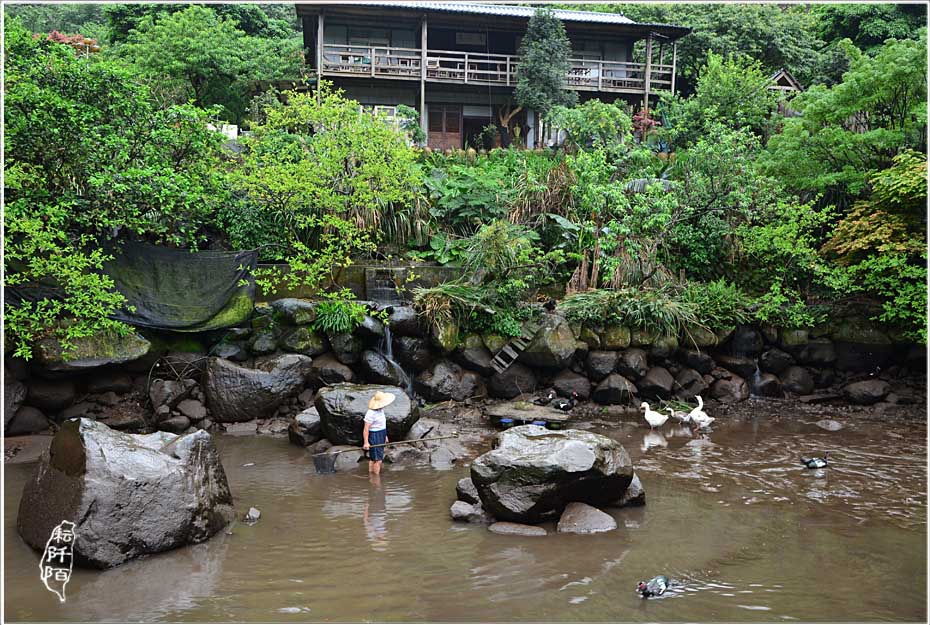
(756, 380)
(386, 349)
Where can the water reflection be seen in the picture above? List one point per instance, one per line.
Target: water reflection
(374, 516)
(653, 439)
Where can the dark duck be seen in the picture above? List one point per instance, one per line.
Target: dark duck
(565, 404)
(815, 463)
(544, 401)
(655, 587)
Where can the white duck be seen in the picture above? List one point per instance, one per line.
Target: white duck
(679, 415)
(653, 418)
(698, 417)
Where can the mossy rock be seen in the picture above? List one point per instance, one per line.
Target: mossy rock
(615, 337)
(103, 348)
(494, 342)
(236, 311)
(472, 341)
(792, 339)
(699, 337)
(263, 342)
(294, 311)
(860, 330)
(445, 336)
(590, 337)
(664, 346)
(303, 340)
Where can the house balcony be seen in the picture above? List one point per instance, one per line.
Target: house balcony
(480, 69)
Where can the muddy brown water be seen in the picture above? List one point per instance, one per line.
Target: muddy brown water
(749, 534)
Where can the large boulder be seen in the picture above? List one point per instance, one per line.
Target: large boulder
(103, 348)
(657, 383)
(614, 389)
(236, 393)
(326, 370)
(116, 381)
(515, 380)
(866, 392)
(615, 337)
(775, 360)
(534, 472)
(27, 420)
(413, 352)
(730, 389)
(697, 360)
(465, 491)
(632, 363)
(746, 341)
(743, 366)
(689, 383)
(293, 311)
(474, 355)
(553, 346)
(51, 396)
(303, 340)
(128, 495)
(342, 409)
(445, 336)
(445, 381)
(404, 321)
(766, 385)
(600, 364)
(818, 353)
(170, 392)
(379, 370)
(797, 380)
(568, 383)
(346, 346)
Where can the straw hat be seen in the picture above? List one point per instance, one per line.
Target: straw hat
(380, 400)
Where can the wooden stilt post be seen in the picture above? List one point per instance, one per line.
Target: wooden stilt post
(648, 69)
(674, 58)
(423, 121)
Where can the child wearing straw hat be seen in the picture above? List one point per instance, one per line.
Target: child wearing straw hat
(375, 432)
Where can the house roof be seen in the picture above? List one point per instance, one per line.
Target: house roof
(524, 12)
(784, 80)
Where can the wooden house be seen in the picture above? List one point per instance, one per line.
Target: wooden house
(457, 62)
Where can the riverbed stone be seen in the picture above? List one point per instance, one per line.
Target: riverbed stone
(263, 342)
(413, 352)
(193, 409)
(517, 529)
(533, 473)
(513, 381)
(347, 459)
(445, 381)
(614, 389)
(615, 337)
(635, 494)
(50, 396)
(797, 380)
(100, 349)
(600, 363)
(580, 518)
(305, 428)
(370, 329)
(128, 495)
(656, 384)
(632, 363)
(326, 370)
(465, 491)
(702, 362)
(469, 513)
(730, 390)
(553, 346)
(294, 311)
(175, 425)
(27, 420)
(567, 383)
(236, 393)
(775, 360)
(866, 392)
(346, 347)
(303, 340)
(342, 409)
(377, 369)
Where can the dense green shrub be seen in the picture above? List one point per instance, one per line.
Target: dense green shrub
(718, 304)
(659, 311)
(338, 314)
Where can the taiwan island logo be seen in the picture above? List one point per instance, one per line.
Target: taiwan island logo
(58, 559)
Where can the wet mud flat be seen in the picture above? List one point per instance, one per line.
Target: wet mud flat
(731, 515)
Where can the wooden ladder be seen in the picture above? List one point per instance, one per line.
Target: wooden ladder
(512, 350)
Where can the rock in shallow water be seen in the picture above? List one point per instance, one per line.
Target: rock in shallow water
(342, 409)
(127, 497)
(237, 393)
(534, 472)
(516, 529)
(469, 513)
(580, 518)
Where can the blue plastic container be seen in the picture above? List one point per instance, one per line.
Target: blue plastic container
(506, 423)
(542, 423)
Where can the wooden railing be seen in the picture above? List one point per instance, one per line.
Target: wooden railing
(486, 69)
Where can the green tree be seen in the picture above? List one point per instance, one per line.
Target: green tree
(858, 126)
(593, 124)
(544, 54)
(90, 159)
(256, 20)
(86, 19)
(198, 54)
(868, 26)
(731, 91)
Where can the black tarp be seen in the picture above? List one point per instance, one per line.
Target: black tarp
(169, 289)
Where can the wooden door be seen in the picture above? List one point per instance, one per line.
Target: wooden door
(445, 126)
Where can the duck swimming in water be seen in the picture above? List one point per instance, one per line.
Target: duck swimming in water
(815, 463)
(698, 417)
(655, 587)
